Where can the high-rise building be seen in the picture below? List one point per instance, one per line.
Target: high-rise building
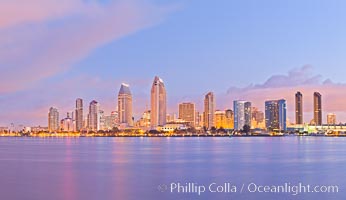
(102, 120)
(299, 108)
(317, 109)
(94, 116)
(242, 114)
(53, 120)
(187, 113)
(125, 105)
(220, 119)
(331, 119)
(275, 114)
(209, 110)
(229, 119)
(158, 103)
(79, 114)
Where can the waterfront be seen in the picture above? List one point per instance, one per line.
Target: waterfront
(140, 168)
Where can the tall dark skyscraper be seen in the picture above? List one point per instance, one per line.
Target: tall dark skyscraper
(275, 114)
(79, 114)
(299, 108)
(209, 110)
(317, 108)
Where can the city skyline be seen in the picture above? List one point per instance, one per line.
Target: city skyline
(132, 41)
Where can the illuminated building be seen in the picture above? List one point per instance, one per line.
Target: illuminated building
(317, 109)
(125, 105)
(66, 124)
(187, 113)
(242, 114)
(229, 119)
(94, 116)
(220, 119)
(275, 115)
(199, 120)
(144, 121)
(79, 114)
(299, 108)
(331, 119)
(53, 120)
(170, 118)
(209, 110)
(158, 103)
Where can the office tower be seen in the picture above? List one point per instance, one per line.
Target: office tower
(158, 103)
(79, 114)
(299, 108)
(229, 119)
(220, 119)
(209, 110)
(317, 109)
(275, 114)
(331, 119)
(53, 120)
(94, 116)
(125, 105)
(242, 114)
(187, 113)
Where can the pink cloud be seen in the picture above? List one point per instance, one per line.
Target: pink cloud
(285, 86)
(34, 51)
(16, 12)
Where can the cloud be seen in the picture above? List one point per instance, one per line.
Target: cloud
(17, 12)
(285, 86)
(47, 40)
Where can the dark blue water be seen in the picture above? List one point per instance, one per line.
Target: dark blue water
(146, 168)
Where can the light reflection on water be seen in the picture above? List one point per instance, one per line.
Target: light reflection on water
(132, 168)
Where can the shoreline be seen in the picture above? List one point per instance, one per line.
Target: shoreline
(163, 136)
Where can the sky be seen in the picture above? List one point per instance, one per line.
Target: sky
(52, 52)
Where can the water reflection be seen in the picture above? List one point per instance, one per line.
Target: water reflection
(132, 168)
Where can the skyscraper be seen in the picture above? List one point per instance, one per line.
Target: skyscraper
(275, 114)
(79, 114)
(299, 108)
(242, 114)
(317, 109)
(187, 113)
(94, 116)
(125, 105)
(158, 103)
(209, 110)
(53, 120)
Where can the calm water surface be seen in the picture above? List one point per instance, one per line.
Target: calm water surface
(133, 168)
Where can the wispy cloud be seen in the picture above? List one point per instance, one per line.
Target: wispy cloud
(42, 38)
